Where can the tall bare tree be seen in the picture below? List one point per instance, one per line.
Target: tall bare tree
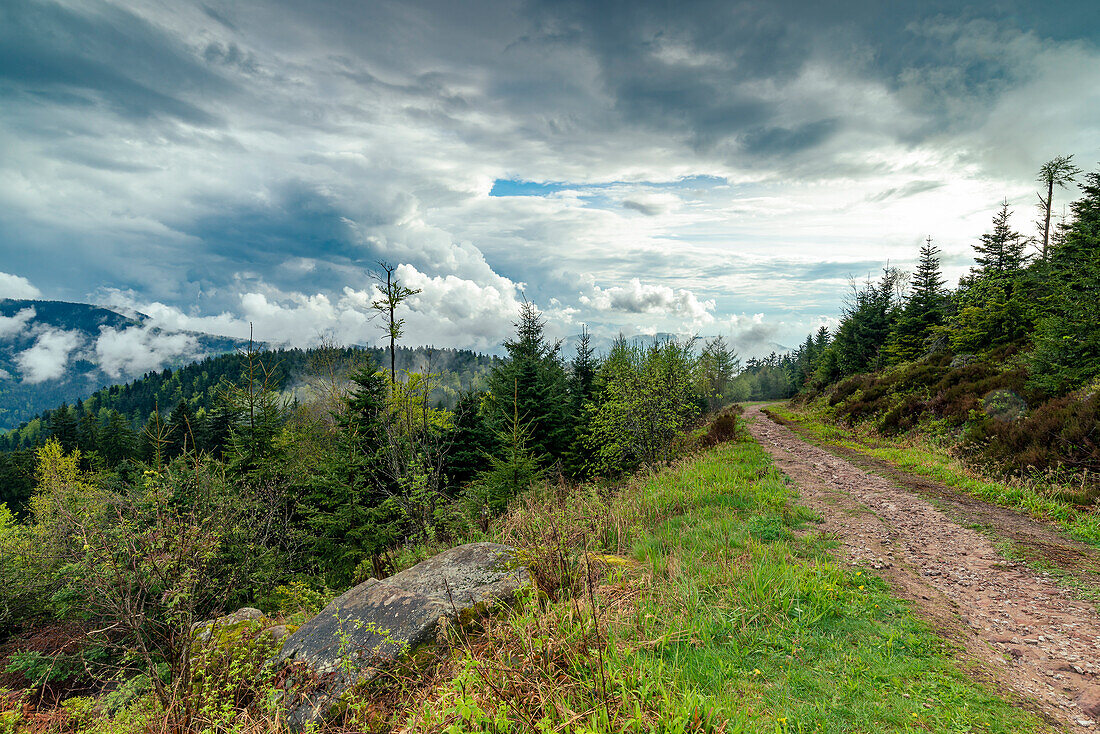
(1058, 171)
(394, 293)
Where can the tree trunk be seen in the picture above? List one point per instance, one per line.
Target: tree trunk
(1046, 219)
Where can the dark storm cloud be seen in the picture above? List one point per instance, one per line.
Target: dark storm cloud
(106, 55)
(292, 220)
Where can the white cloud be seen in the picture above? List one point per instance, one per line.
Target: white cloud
(14, 325)
(450, 311)
(654, 299)
(49, 356)
(18, 287)
(132, 351)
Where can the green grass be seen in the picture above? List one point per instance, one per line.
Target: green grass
(746, 624)
(779, 636)
(923, 458)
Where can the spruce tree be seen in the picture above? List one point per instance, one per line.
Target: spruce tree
(64, 427)
(1067, 340)
(924, 310)
(1002, 251)
(181, 431)
(532, 380)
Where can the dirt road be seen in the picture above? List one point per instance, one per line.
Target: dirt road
(1030, 635)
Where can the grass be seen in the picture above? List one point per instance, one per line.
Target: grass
(725, 613)
(917, 456)
(695, 599)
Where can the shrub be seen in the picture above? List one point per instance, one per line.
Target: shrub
(726, 426)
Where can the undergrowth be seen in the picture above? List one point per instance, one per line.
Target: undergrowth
(694, 599)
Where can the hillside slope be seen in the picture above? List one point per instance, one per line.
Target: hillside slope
(53, 352)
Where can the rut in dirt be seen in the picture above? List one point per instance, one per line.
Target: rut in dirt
(1033, 638)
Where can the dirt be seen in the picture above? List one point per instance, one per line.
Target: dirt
(1026, 634)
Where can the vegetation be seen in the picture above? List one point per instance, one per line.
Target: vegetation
(693, 598)
(246, 489)
(675, 590)
(1003, 370)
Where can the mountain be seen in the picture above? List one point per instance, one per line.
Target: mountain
(53, 352)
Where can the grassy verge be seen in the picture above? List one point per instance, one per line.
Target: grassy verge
(714, 613)
(912, 454)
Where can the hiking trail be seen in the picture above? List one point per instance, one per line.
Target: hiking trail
(1031, 636)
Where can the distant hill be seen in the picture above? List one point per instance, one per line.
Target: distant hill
(201, 384)
(603, 344)
(53, 352)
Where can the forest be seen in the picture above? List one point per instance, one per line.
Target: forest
(1004, 367)
(247, 493)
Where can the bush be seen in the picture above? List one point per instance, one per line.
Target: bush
(726, 426)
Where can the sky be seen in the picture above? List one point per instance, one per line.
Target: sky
(647, 166)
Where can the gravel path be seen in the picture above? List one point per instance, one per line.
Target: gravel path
(1032, 636)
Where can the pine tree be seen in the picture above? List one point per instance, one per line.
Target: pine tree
(1067, 340)
(532, 380)
(1002, 251)
(924, 310)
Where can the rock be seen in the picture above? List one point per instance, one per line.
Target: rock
(1089, 701)
(379, 621)
(278, 632)
(201, 631)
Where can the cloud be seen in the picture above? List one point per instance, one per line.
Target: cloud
(648, 298)
(132, 351)
(14, 286)
(15, 325)
(235, 162)
(448, 312)
(49, 356)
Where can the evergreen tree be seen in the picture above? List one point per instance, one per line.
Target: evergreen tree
(64, 427)
(532, 380)
(924, 309)
(718, 365)
(513, 469)
(1058, 171)
(88, 441)
(351, 514)
(866, 324)
(1002, 251)
(1067, 340)
(582, 371)
(992, 306)
(116, 441)
(472, 441)
(181, 431)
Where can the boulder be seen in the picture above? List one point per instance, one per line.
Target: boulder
(378, 621)
(202, 631)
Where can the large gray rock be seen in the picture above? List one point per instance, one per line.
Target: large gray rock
(378, 621)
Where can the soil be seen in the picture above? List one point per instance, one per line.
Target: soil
(1026, 634)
